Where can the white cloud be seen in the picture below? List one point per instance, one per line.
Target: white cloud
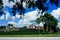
(2, 17)
(14, 23)
(56, 13)
(58, 25)
(8, 15)
(24, 4)
(41, 24)
(13, 17)
(31, 15)
(6, 3)
(20, 23)
(11, 4)
(11, 22)
(17, 16)
(24, 22)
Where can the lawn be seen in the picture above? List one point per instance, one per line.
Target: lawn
(30, 35)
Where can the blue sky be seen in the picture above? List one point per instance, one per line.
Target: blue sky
(30, 15)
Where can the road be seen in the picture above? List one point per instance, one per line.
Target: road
(29, 38)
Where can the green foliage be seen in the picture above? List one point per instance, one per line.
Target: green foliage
(49, 20)
(25, 27)
(38, 20)
(2, 27)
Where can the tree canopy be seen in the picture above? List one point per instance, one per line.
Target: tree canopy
(40, 4)
(49, 20)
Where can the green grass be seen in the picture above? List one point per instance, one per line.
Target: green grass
(28, 33)
(31, 35)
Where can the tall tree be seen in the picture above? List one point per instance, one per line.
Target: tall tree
(50, 22)
(38, 20)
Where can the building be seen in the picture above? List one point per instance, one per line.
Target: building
(34, 27)
(31, 26)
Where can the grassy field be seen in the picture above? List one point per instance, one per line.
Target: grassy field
(30, 35)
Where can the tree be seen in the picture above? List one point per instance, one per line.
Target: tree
(1, 27)
(50, 22)
(1, 7)
(25, 27)
(40, 4)
(39, 20)
(9, 27)
(31, 4)
(18, 6)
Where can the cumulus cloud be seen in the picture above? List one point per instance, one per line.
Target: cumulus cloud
(17, 16)
(20, 23)
(14, 23)
(8, 15)
(24, 4)
(31, 15)
(41, 24)
(6, 3)
(58, 25)
(13, 17)
(11, 22)
(11, 4)
(26, 20)
(2, 17)
(56, 13)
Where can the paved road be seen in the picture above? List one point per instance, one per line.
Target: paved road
(29, 38)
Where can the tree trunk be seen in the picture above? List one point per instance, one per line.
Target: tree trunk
(39, 29)
(47, 27)
(50, 30)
